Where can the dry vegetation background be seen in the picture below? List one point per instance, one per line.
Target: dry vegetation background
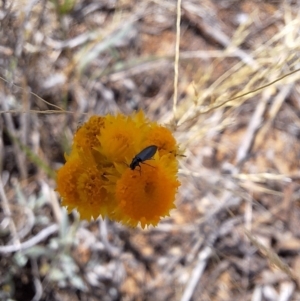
(235, 234)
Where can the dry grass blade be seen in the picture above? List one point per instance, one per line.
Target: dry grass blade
(271, 255)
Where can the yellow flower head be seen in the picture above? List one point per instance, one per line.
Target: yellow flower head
(82, 186)
(163, 139)
(86, 135)
(120, 137)
(144, 196)
(98, 180)
(66, 179)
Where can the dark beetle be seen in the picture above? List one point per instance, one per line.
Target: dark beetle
(146, 154)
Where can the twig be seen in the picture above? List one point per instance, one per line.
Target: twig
(103, 235)
(30, 242)
(38, 289)
(252, 129)
(36, 281)
(7, 212)
(19, 155)
(197, 273)
(206, 253)
(286, 291)
(277, 103)
(28, 225)
(257, 294)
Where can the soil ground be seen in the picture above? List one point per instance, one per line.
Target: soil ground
(235, 234)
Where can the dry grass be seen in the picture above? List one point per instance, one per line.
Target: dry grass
(235, 233)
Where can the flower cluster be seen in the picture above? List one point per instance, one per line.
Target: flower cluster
(97, 181)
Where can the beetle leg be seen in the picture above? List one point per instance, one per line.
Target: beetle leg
(148, 164)
(140, 170)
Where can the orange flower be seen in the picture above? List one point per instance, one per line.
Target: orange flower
(147, 195)
(66, 180)
(163, 139)
(86, 135)
(121, 137)
(82, 186)
(97, 181)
